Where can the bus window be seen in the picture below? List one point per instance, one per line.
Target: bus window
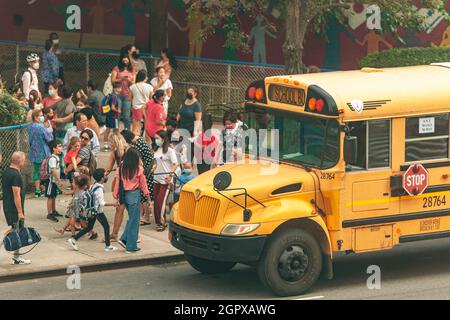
(374, 144)
(427, 137)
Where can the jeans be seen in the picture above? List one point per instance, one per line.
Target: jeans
(126, 112)
(91, 222)
(131, 232)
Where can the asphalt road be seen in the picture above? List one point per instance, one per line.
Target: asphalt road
(412, 271)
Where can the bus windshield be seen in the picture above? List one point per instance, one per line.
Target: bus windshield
(306, 140)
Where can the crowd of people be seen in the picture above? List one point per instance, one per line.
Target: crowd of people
(65, 133)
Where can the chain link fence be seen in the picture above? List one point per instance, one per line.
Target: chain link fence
(219, 82)
(14, 139)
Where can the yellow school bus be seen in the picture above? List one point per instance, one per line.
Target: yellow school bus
(345, 142)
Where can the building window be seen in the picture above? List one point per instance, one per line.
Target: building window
(427, 137)
(374, 144)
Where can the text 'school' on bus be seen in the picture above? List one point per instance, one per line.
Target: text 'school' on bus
(364, 165)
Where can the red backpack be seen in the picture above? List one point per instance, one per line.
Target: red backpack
(44, 170)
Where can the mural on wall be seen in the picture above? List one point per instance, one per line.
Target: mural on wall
(98, 12)
(346, 44)
(258, 34)
(66, 11)
(445, 41)
(373, 41)
(193, 27)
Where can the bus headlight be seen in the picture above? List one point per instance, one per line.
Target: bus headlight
(239, 229)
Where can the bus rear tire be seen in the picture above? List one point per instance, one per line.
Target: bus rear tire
(209, 266)
(291, 263)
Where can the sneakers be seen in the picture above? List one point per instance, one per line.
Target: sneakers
(20, 261)
(93, 236)
(57, 214)
(133, 251)
(72, 243)
(52, 217)
(110, 249)
(123, 244)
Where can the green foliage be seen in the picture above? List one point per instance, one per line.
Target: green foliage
(12, 113)
(406, 57)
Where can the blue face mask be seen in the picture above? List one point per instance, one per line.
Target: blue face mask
(187, 172)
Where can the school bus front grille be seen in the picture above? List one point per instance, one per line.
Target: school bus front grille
(201, 213)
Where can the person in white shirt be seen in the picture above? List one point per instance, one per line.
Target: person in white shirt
(162, 82)
(97, 212)
(141, 93)
(167, 163)
(80, 125)
(29, 78)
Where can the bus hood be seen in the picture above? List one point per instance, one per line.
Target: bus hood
(260, 181)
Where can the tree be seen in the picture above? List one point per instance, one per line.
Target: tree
(301, 16)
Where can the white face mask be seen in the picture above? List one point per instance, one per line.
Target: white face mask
(41, 119)
(55, 41)
(35, 66)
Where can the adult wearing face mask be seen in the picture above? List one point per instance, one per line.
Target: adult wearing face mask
(30, 78)
(136, 61)
(50, 65)
(156, 117)
(39, 139)
(124, 74)
(53, 95)
(57, 48)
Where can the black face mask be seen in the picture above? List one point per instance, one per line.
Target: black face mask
(190, 96)
(135, 55)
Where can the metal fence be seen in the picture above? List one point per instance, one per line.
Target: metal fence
(219, 82)
(14, 139)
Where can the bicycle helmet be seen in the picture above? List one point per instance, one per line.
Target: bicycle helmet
(32, 57)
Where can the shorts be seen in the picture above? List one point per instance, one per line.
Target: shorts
(137, 114)
(111, 122)
(51, 190)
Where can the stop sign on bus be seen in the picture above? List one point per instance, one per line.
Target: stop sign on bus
(415, 180)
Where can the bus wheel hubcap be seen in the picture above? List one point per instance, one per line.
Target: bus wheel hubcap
(293, 263)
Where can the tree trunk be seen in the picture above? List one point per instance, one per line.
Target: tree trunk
(296, 24)
(158, 25)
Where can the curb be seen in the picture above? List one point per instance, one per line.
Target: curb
(94, 267)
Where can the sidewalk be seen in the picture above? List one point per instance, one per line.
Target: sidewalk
(54, 254)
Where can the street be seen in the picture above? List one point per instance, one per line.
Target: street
(413, 271)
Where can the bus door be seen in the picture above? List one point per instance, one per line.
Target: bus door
(367, 191)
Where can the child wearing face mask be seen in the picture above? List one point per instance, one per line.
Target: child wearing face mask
(30, 78)
(186, 175)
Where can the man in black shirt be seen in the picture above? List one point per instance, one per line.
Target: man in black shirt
(14, 197)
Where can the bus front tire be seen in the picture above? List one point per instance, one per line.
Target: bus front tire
(291, 263)
(208, 266)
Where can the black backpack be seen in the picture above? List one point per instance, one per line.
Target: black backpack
(19, 83)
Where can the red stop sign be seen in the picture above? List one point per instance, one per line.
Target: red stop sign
(415, 180)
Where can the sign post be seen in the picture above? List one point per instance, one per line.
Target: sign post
(415, 180)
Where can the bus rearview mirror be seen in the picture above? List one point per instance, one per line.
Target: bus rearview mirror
(350, 149)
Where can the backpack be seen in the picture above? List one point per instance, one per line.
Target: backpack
(107, 87)
(44, 173)
(105, 108)
(89, 201)
(19, 83)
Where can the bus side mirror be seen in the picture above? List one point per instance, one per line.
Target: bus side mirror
(350, 149)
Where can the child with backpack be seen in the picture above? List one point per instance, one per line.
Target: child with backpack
(77, 207)
(53, 169)
(71, 156)
(111, 108)
(95, 203)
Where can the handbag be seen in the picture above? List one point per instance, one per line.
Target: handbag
(21, 237)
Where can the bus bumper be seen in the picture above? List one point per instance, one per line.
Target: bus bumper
(214, 247)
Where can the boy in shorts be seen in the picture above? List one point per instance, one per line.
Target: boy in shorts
(112, 117)
(51, 188)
